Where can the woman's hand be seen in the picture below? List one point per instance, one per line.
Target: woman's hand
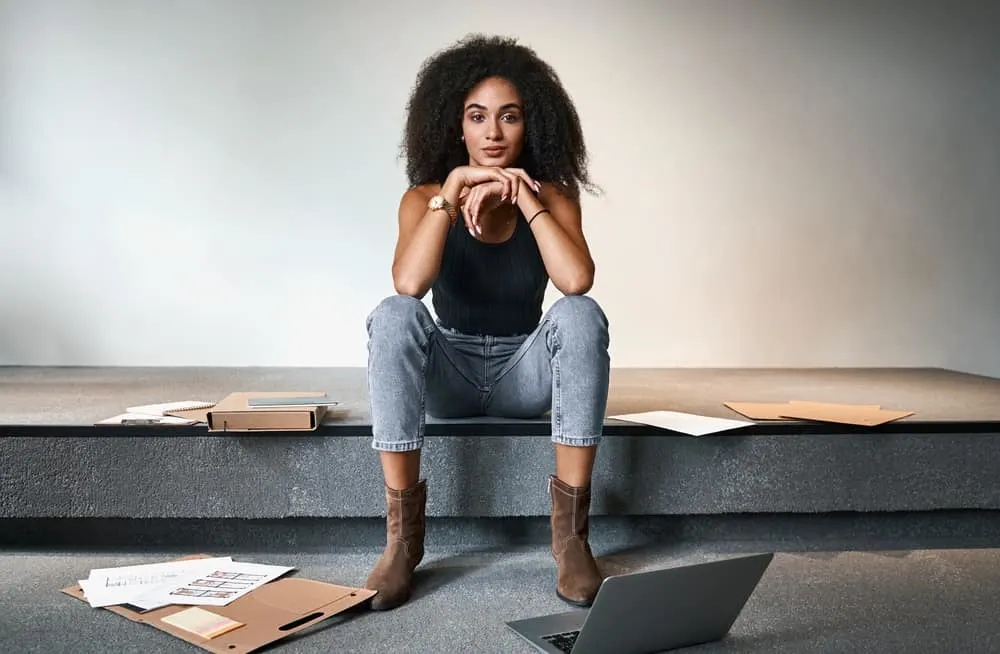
(489, 180)
(512, 179)
(480, 199)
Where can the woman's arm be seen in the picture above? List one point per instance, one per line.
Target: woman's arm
(559, 234)
(423, 231)
(422, 235)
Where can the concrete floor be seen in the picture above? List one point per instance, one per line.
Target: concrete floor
(885, 602)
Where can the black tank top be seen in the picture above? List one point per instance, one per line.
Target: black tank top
(493, 289)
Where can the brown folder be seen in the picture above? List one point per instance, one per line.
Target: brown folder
(780, 410)
(274, 611)
(234, 414)
(846, 415)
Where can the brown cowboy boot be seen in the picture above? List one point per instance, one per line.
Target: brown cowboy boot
(578, 576)
(404, 547)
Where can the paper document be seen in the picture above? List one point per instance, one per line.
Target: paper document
(685, 423)
(146, 419)
(213, 586)
(110, 586)
(164, 408)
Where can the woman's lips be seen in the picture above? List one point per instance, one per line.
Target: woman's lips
(494, 152)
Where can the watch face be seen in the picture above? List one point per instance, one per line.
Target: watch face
(437, 202)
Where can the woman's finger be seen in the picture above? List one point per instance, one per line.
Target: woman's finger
(467, 216)
(520, 172)
(502, 193)
(486, 175)
(523, 174)
(498, 196)
(504, 178)
(467, 209)
(475, 207)
(510, 185)
(469, 199)
(505, 188)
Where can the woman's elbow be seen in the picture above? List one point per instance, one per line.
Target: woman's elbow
(577, 284)
(405, 282)
(409, 287)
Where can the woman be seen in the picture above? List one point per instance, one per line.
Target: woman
(495, 159)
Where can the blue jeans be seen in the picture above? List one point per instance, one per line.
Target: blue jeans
(418, 368)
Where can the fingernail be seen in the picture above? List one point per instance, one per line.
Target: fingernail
(479, 228)
(513, 200)
(503, 197)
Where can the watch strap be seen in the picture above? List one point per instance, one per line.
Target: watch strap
(446, 206)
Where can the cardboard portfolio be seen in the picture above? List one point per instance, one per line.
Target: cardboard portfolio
(267, 614)
(860, 415)
(865, 415)
(778, 410)
(234, 413)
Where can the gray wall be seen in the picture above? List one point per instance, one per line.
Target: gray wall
(787, 183)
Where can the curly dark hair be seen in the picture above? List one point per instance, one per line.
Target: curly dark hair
(554, 149)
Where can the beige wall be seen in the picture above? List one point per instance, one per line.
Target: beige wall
(787, 183)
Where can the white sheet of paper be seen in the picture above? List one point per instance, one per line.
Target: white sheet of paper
(215, 586)
(110, 586)
(162, 408)
(685, 423)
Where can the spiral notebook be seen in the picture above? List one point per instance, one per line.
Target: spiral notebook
(188, 409)
(167, 408)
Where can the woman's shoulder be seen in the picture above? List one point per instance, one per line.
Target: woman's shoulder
(423, 191)
(415, 198)
(552, 193)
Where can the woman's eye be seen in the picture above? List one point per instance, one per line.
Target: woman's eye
(511, 118)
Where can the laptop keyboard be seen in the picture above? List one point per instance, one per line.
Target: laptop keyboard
(564, 641)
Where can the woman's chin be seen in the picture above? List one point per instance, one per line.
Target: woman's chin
(503, 161)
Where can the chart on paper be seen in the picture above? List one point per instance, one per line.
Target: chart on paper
(215, 586)
(121, 585)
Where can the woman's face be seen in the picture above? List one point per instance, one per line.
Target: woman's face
(493, 124)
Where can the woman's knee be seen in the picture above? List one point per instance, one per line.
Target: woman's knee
(398, 313)
(580, 314)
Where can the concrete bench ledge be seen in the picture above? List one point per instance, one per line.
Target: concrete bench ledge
(79, 396)
(57, 465)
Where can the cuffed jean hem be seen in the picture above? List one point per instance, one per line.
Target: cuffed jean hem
(396, 446)
(585, 441)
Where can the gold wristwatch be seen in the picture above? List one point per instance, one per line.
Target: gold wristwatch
(439, 202)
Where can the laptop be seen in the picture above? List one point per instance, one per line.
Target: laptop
(652, 611)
